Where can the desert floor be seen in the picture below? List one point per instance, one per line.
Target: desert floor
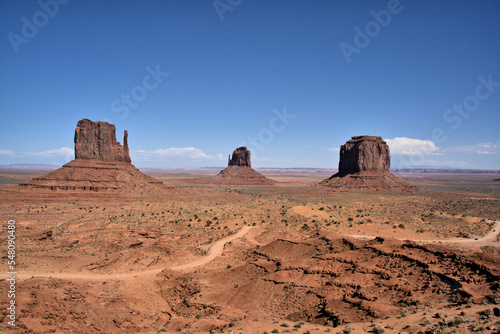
(296, 257)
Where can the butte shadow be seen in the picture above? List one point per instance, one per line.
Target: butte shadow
(101, 164)
(365, 165)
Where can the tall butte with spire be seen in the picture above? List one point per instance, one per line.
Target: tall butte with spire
(101, 164)
(239, 170)
(97, 140)
(364, 164)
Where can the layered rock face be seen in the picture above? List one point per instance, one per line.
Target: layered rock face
(97, 140)
(364, 165)
(240, 172)
(364, 153)
(241, 157)
(101, 164)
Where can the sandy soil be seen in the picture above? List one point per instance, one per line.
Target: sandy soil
(295, 257)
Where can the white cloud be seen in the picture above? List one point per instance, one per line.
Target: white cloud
(55, 153)
(7, 153)
(59, 152)
(335, 149)
(174, 152)
(411, 146)
(480, 148)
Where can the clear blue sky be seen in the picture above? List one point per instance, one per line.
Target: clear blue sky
(335, 69)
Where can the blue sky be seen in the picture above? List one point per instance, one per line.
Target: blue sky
(292, 80)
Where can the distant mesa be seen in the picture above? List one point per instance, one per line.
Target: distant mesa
(101, 164)
(364, 164)
(239, 171)
(364, 153)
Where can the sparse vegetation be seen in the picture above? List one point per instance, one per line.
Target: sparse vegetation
(138, 235)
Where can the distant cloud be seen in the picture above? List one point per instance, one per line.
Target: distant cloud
(55, 153)
(480, 148)
(60, 152)
(335, 149)
(174, 152)
(7, 153)
(411, 146)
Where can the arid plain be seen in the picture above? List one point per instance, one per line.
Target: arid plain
(292, 257)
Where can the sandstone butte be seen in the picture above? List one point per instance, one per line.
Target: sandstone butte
(239, 170)
(364, 164)
(101, 164)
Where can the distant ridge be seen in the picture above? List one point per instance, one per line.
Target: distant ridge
(31, 166)
(445, 170)
(267, 170)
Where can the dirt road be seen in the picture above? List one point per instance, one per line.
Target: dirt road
(490, 237)
(217, 249)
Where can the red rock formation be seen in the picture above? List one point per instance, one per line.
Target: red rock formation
(241, 175)
(241, 157)
(97, 140)
(101, 164)
(364, 153)
(240, 172)
(364, 165)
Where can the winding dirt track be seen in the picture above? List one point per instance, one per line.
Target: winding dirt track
(490, 237)
(217, 249)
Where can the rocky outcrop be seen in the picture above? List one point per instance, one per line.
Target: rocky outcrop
(364, 153)
(240, 172)
(101, 164)
(97, 140)
(332, 280)
(364, 165)
(241, 157)
(241, 175)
